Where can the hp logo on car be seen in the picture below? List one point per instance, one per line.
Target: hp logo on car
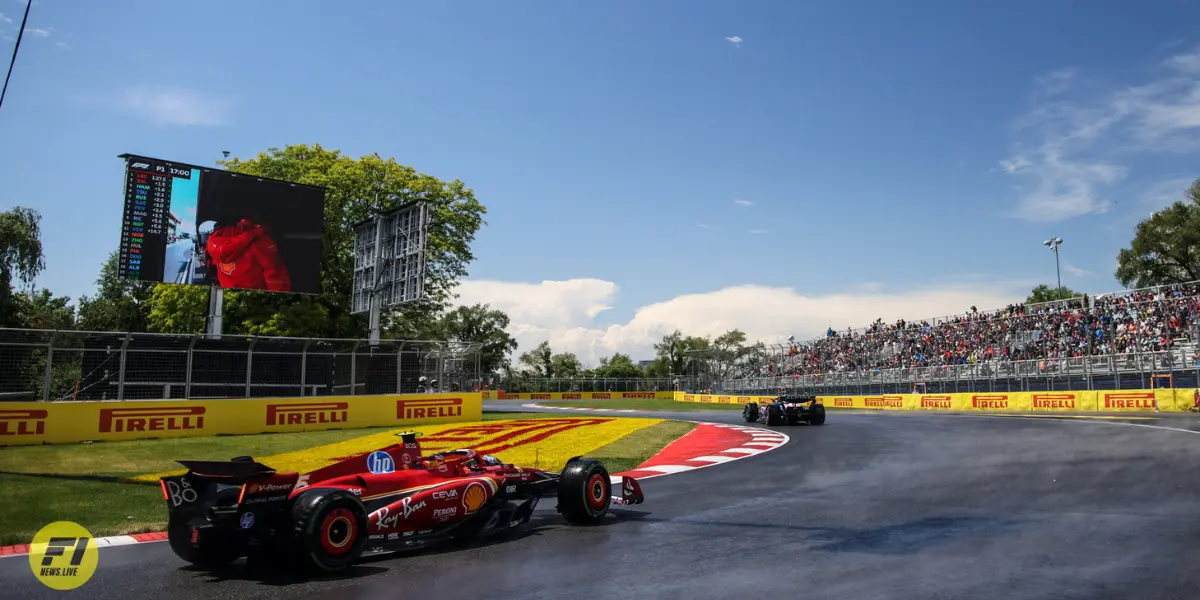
(380, 462)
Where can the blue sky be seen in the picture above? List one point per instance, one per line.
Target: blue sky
(892, 159)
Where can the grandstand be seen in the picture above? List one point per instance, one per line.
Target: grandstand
(1132, 339)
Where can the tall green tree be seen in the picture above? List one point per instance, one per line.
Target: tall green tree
(729, 351)
(20, 258)
(617, 366)
(1165, 247)
(483, 325)
(676, 355)
(354, 187)
(119, 304)
(543, 362)
(1046, 293)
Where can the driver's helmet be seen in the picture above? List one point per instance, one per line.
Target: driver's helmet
(491, 461)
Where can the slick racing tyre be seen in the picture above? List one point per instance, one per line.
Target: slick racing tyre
(201, 546)
(774, 415)
(817, 415)
(750, 413)
(330, 529)
(584, 492)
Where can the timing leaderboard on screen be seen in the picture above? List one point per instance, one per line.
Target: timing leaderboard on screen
(147, 217)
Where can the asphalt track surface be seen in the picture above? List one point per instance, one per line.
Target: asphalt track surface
(868, 506)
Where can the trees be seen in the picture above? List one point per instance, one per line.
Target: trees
(675, 355)
(20, 257)
(1165, 247)
(618, 366)
(119, 304)
(483, 325)
(544, 363)
(1045, 293)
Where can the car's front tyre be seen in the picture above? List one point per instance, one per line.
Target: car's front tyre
(584, 492)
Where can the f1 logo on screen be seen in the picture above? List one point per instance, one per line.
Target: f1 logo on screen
(63, 555)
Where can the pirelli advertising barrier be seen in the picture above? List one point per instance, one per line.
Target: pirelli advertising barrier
(588, 395)
(27, 423)
(1166, 400)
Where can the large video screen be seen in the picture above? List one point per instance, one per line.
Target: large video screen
(202, 226)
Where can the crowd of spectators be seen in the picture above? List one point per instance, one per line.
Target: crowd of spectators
(1140, 321)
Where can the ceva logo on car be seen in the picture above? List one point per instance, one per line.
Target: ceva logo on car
(379, 462)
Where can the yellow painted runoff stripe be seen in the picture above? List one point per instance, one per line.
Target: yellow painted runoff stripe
(544, 443)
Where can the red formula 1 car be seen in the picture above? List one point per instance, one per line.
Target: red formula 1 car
(381, 501)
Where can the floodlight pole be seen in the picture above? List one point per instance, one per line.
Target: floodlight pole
(216, 302)
(216, 312)
(375, 300)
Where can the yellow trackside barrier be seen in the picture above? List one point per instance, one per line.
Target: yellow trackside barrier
(1164, 400)
(27, 423)
(588, 395)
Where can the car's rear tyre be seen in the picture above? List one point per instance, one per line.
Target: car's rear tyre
(774, 415)
(202, 546)
(817, 415)
(330, 529)
(584, 492)
(750, 413)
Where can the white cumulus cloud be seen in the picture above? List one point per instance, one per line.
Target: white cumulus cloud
(740, 202)
(735, 40)
(565, 312)
(1071, 150)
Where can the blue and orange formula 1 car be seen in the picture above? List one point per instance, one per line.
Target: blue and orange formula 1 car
(786, 410)
(375, 502)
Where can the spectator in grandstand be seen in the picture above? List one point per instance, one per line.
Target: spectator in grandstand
(1141, 321)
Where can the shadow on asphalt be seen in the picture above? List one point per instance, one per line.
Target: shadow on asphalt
(898, 539)
(279, 575)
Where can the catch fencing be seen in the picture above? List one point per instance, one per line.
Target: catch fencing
(589, 384)
(56, 365)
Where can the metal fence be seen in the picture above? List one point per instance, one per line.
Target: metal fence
(590, 384)
(1178, 368)
(50, 365)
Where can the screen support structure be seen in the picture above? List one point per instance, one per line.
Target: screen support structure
(376, 298)
(216, 313)
(389, 254)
